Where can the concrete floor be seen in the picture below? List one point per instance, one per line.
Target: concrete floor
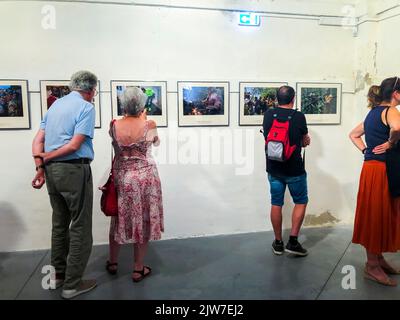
(237, 267)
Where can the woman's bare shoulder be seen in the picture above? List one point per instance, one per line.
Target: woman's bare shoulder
(152, 124)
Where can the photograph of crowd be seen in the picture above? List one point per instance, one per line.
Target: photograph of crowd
(258, 100)
(52, 90)
(153, 103)
(56, 92)
(11, 101)
(203, 101)
(319, 100)
(255, 98)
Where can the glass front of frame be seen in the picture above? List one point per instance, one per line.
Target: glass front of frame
(52, 90)
(320, 102)
(255, 98)
(156, 102)
(203, 104)
(14, 108)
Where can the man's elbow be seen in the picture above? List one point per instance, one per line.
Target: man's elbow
(74, 147)
(37, 144)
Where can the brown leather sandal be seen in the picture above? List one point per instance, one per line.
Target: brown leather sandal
(142, 274)
(387, 282)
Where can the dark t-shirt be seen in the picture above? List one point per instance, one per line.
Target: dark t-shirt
(297, 129)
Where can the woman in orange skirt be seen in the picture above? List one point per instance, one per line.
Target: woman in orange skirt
(377, 219)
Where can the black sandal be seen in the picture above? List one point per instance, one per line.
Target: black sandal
(142, 274)
(108, 267)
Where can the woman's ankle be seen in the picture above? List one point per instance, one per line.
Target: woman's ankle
(138, 267)
(373, 265)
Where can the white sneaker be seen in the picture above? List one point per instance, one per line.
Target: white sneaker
(83, 287)
(56, 284)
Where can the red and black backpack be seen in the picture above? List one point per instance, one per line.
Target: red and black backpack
(277, 140)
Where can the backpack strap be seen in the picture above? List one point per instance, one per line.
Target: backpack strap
(290, 116)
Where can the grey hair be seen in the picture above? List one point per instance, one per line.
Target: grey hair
(83, 81)
(133, 101)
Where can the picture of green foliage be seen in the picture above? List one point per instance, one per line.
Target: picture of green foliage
(319, 100)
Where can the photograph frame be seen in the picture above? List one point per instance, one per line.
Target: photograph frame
(18, 123)
(161, 121)
(224, 120)
(244, 121)
(43, 98)
(321, 119)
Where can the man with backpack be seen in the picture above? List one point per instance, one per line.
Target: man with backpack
(286, 132)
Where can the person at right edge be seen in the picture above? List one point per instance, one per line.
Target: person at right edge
(377, 219)
(290, 172)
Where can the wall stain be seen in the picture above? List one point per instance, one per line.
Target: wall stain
(362, 80)
(375, 58)
(322, 219)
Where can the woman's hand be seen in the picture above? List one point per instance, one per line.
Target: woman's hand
(381, 148)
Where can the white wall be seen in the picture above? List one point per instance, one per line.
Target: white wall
(388, 63)
(135, 43)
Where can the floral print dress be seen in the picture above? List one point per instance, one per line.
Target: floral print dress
(140, 209)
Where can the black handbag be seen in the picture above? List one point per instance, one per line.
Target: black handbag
(393, 170)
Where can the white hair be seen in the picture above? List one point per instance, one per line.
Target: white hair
(133, 101)
(83, 81)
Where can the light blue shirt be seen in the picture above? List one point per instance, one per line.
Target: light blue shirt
(67, 117)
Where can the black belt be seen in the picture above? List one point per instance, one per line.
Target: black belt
(73, 161)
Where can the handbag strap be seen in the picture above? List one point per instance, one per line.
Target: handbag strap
(112, 132)
(386, 117)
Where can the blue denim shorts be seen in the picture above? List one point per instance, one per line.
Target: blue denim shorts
(297, 187)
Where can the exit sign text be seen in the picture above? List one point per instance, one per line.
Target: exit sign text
(249, 19)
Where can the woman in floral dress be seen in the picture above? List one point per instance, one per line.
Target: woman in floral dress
(140, 209)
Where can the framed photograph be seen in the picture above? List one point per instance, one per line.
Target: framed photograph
(14, 105)
(156, 103)
(255, 98)
(51, 90)
(203, 104)
(320, 102)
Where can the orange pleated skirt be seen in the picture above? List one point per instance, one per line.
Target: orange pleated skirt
(377, 219)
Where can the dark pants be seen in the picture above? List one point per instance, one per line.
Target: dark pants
(70, 188)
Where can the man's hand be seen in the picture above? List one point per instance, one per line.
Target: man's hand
(42, 155)
(306, 140)
(381, 148)
(39, 179)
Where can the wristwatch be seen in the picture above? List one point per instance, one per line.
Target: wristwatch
(364, 150)
(40, 167)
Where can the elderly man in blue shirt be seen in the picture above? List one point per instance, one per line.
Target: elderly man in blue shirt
(62, 151)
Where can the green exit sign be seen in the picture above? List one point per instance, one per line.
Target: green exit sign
(249, 19)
